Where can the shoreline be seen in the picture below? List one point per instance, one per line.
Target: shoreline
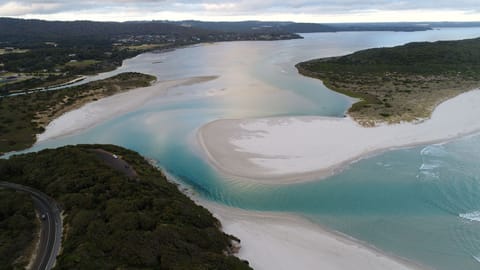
(297, 243)
(272, 150)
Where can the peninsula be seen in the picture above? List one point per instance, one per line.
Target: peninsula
(403, 83)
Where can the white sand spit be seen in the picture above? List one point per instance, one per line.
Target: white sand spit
(289, 149)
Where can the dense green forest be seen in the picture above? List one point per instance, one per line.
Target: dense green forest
(17, 228)
(403, 83)
(24, 116)
(114, 221)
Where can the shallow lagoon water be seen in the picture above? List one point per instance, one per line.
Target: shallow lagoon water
(420, 203)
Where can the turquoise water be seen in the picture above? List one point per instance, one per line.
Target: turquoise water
(405, 202)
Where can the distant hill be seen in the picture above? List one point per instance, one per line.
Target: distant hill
(451, 24)
(243, 26)
(19, 30)
(38, 30)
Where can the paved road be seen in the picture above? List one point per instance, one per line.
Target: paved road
(116, 162)
(74, 82)
(51, 233)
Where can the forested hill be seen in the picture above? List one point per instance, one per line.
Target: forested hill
(120, 212)
(39, 30)
(20, 30)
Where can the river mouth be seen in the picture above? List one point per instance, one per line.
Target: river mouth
(389, 201)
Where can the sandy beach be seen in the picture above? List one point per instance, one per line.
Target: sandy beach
(101, 110)
(283, 242)
(292, 149)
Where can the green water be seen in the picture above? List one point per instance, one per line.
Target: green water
(405, 202)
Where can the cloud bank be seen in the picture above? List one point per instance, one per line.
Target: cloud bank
(296, 10)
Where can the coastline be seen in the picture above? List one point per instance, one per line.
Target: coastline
(272, 150)
(284, 241)
(95, 112)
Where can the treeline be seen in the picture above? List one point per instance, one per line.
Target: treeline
(116, 222)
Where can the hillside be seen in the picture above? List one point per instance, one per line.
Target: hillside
(403, 83)
(115, 220)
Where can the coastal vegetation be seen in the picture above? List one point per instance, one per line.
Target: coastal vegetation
(17, 229)
(119, 221)
(403, 83)
(24, 116)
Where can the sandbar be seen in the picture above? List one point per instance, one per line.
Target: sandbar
(107, 108)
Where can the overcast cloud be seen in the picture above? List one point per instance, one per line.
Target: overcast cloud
(296, 10)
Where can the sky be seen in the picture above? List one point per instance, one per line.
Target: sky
(237, 10)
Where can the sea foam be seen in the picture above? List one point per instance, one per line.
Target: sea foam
(473, 216)
(435, 150)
